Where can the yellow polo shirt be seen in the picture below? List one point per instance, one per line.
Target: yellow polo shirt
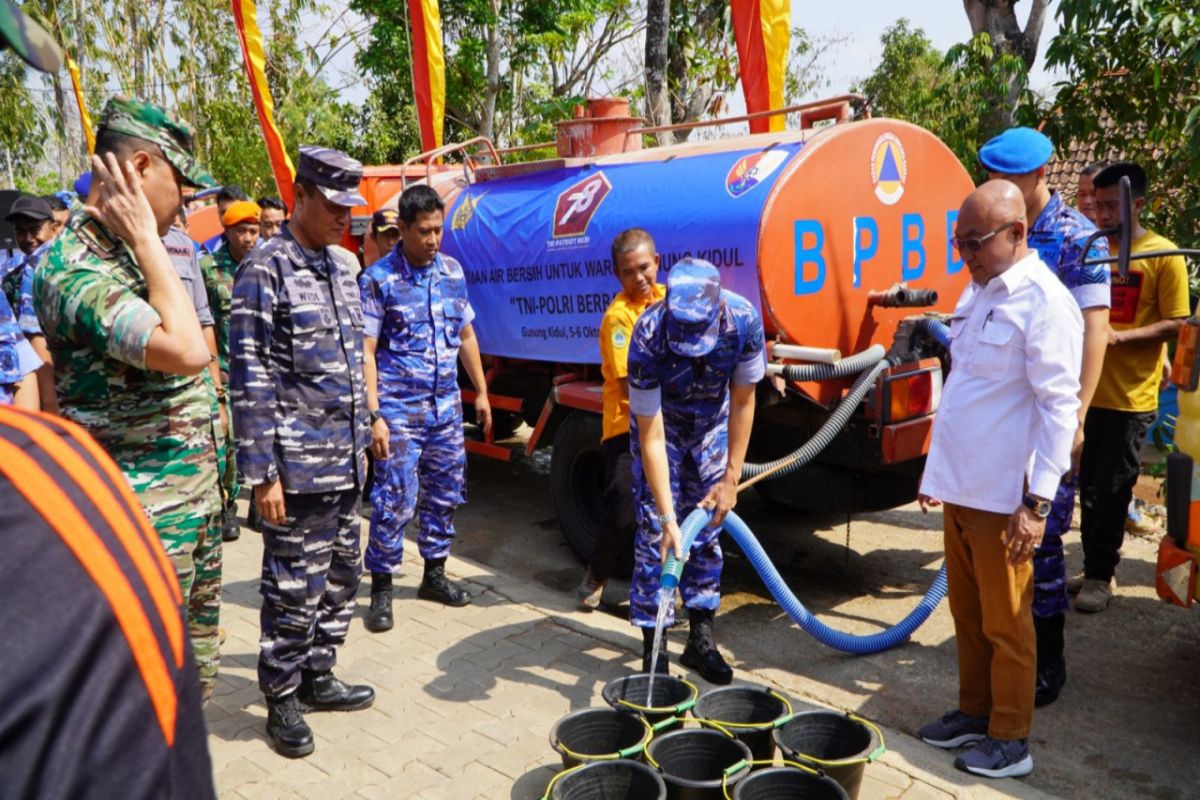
(1155, 289)
(616, 332)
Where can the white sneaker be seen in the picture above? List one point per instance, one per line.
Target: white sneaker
(1094, 596)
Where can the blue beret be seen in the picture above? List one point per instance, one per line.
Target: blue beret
(83, 185)
(1017, 151)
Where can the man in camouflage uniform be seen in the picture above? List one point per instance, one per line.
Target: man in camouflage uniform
(300, 415)
(241, 234)
(1058, 233)
(693, 364)
(129, 353)
(18, 362)
(417, 319)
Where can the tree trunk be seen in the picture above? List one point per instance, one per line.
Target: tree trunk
(998, 19)
(492, 88)
(658, 106)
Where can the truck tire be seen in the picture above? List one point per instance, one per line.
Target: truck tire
(577, 480)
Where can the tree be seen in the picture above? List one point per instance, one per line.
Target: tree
(21, 128)
(1132, 87)
(997, 20)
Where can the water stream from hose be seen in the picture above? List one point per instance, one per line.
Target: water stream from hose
(666, 599)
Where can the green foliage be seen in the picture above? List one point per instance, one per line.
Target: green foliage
(22, 129)
(1132, 87)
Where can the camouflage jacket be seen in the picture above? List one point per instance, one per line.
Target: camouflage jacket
(218, 270)
(91, 300)
(1058, 236)
(296, 376)
(17, 285)
(417, 316)
(693, 393)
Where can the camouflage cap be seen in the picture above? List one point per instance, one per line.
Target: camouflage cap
(30, 41)
(152, 124)
(336, 174)
(693, 307)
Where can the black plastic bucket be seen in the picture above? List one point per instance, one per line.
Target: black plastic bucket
(672, 696)
(694, 762)
(748, 712)
(788, 783)
(840, 745)
(609, 780)
(595, 734)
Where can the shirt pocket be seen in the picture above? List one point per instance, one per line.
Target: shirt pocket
(996, 350)
(454, 309)
(314, 338)
(413, 333)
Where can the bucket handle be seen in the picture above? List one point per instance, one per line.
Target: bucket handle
(764, 763)
(678, 709)
(787, 716)
(702, 722)
(554, 780)
(666, 723)
(558, 746)
(867, 759)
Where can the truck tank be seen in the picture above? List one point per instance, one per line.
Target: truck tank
(805, 224)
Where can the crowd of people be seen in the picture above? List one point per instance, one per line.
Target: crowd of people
(268, 358)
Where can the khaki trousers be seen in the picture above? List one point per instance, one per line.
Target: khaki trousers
(990, 601)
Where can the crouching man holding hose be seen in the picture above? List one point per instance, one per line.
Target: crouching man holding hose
(1001, 442)
(693, 364)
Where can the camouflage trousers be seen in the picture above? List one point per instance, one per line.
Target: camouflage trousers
(228, 463)
(700, 584)
(424, 476)
(309, 578)
(1049, 564)
(198, 567)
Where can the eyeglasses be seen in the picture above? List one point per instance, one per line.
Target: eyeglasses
(972, 244)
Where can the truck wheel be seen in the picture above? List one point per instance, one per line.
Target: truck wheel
(577, 480)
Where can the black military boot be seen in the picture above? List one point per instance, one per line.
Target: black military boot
(230, 529)
(437, 587)
(289, 733)
(379, 616)
(661, 667)
(701, 653)
(320, 691)
(1051, 666)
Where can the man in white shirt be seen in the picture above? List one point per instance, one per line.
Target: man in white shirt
(1001, 443)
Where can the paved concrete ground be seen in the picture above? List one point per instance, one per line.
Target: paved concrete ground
(465, 699)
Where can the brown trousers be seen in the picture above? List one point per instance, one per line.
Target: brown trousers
(990, 601)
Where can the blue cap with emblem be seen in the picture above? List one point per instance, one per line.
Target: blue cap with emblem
(693, 307)
(1017, 151)
(336, 174)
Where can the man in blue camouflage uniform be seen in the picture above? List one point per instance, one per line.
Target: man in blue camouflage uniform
(18, 362)
(300, 417)
(418, 323)
(33, 223)
(693, 365)
(1058, 233)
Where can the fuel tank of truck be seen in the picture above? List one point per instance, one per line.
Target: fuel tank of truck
(802, 223)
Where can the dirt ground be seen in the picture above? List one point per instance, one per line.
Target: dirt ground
(1125, 726)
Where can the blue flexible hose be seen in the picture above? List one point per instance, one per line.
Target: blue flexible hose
(838, 640)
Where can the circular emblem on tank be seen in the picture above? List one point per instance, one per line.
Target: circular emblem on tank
(889, 168)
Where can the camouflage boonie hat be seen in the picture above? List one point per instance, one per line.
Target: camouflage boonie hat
(30, 41)
(336, 174)
(693, 307)
(153, 124)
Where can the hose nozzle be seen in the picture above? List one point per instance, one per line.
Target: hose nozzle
(671, 572)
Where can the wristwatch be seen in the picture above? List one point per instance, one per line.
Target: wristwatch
(375, 416)
(665, 519)
(1040, 507)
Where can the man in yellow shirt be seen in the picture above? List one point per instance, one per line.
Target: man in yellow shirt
(635, 263)
(1148, 306)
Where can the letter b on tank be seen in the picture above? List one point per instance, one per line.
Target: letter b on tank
(810, 240)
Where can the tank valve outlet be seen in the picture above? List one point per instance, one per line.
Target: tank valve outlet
(900, 296)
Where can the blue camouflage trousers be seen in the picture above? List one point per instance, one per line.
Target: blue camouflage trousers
(700, 584)
(423, 475)
(1049, 565)
(309, 579)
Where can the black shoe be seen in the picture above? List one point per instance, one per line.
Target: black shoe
(662, 667)
(379, 616)
(230, 530)
(1050, 680)
(701, 653)
(289, 733)
(320, 691)
(437, 587)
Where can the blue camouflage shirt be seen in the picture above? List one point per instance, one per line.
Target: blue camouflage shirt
(17, 358)
(17, 285)
(296, 379)
(1058, 235)
(693, 393)
(417, 314)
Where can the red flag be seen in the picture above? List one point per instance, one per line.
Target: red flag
(762, 29)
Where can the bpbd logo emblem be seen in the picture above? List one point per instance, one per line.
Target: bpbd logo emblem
(749, 171)
(889, 168)
(577, 205)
